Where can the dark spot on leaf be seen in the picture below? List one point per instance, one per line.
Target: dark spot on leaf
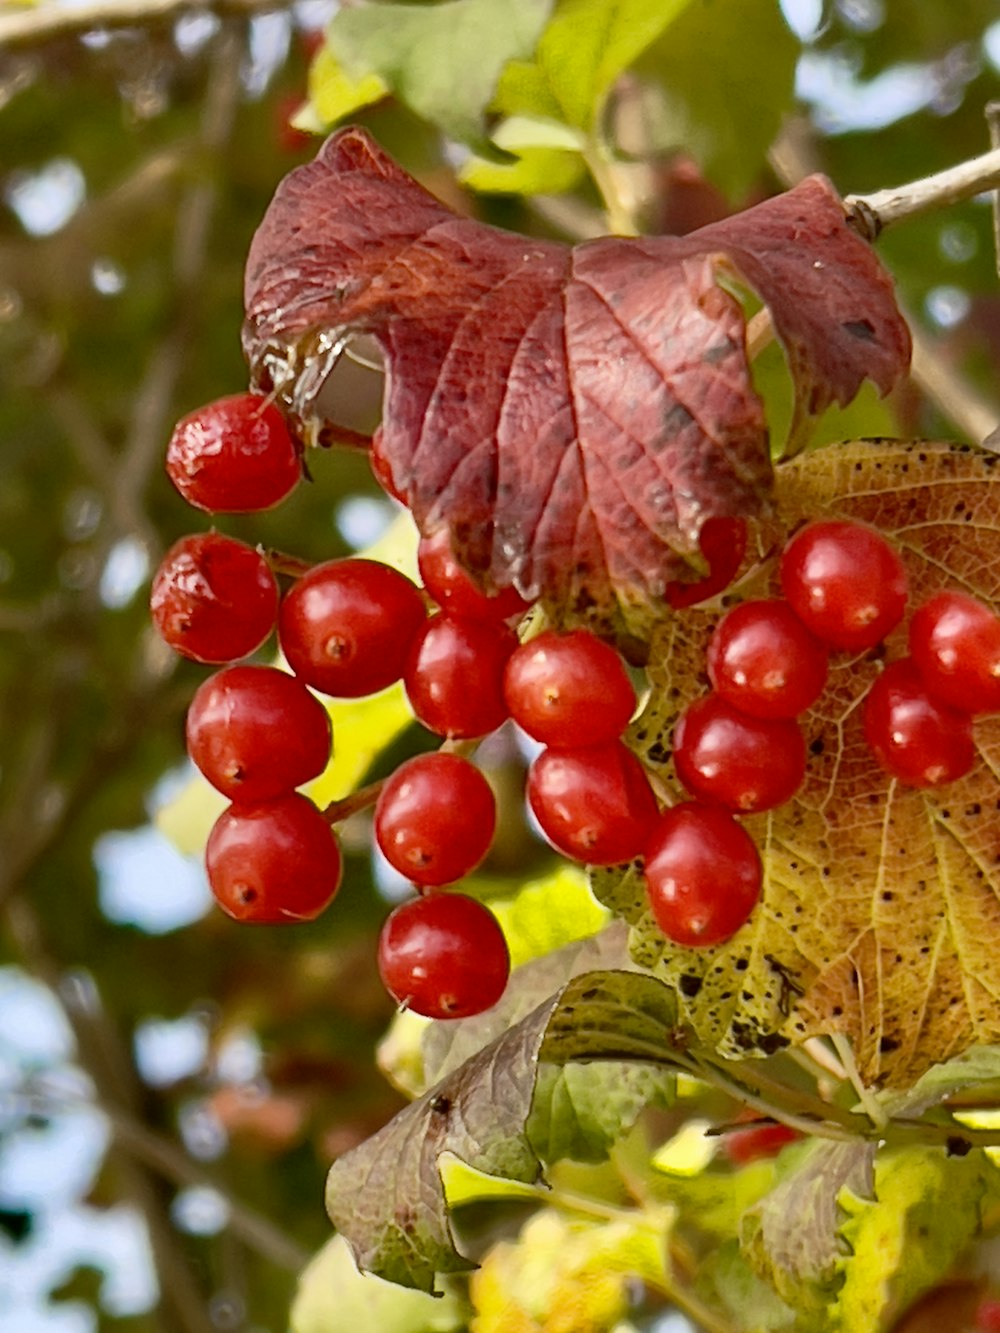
(690, 985)
(860, 328)
(888, 1044)
(772, 1042)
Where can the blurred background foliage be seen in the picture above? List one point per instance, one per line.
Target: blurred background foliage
(172, 1087)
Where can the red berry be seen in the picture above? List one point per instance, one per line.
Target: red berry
(256, 732)
(758, 1142)
(913, 737)
(275, 862)
(454, 590)
(381, 470)
(723, 543)
(703, 874)
(987, 1316)
(213, 599)
(955, 642)
(444, 956)
(435, 818)
(233, 456)
(594, 804)
(346, 626)
(845, 583)
(569, 689)
(764, 661)
(454, 676)
(744, 763)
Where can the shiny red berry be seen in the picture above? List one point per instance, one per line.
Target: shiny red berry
(454, 675)
(703, 874)
(914, 737)
(273, 863)
(568, 689)
(346, 627)
(443, 955)
(454, 589)
(744, 763)
(723, 543)
(845, 582)
(758, 1142)
(435, 818)
(763, 660)
(256, 732)
(594, 803)
(213, 599)
(234, 455)
(955, 642)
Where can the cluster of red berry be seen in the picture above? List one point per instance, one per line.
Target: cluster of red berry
(352, 627)
(739, 749)
(347, 628)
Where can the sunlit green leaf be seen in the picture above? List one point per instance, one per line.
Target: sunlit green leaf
(442, 60)
(925, 1212)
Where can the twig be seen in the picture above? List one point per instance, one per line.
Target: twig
(869, 1102)
(870, 214)
(993, 123)
(48, 22)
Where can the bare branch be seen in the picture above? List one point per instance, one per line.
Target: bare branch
(870, 214)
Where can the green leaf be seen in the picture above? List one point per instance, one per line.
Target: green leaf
(387, 1196)
(580, 1110)
(980, 1064)
(334, 94)
(714, 1202)
(790, 1236)
(448, 1045)
(547, 913)
(534, 171)
(926, 1210)
(333, 1297)
(720, 83)
(750, 1303)
(589, 43)
(442, 60)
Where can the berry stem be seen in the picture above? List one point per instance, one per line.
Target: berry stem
(337, 811)
(283, 563)
(869, 1102)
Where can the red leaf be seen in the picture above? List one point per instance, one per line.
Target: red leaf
(572, 415)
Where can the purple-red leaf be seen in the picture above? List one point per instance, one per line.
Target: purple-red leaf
(572, 415)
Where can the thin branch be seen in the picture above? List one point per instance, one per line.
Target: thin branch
(49, 22)
(870, 214)
(993, 123)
